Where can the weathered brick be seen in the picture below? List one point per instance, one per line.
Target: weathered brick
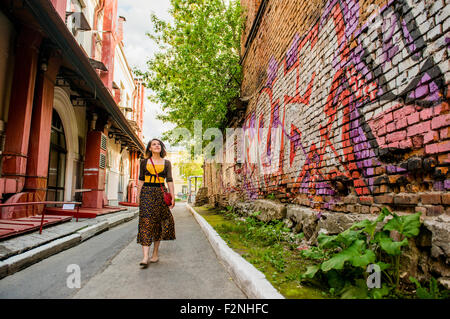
(405, 144)
(396, 136)
(406, 199)
(445, 199)
(366, 200)
(404, 112)
(434, 210)
(431, 136)
(374, 210)
(430, 198)
(443, 147)
(391, 127)
(440, 121)
(444, 133)
(384, 199)
(432, 148)
(419, 128)
(350, 199)
(401, 123)
(426, 114)
(444, 159)
(417, 141)
(420, 209)
(380, 189)
(393, 179)
(413, 118)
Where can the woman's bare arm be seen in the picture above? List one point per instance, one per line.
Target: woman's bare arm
(140, 184)
(172, 191)
(169, 180)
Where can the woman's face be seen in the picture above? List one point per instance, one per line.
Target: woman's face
(155, 147)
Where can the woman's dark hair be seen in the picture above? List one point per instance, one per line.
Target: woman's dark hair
(148, 152)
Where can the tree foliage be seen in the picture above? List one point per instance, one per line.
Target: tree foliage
(189, 167)
(196, 73)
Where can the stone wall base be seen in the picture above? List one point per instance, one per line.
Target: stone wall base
(428, 254)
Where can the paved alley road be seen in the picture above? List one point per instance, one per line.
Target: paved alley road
(188, 268)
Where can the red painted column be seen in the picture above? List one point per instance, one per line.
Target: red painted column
(39, 146)
(132, 165)
(94, 176)
(109, 42)
(132, 185)
(20, 108)
(117, 96)
(60, 7)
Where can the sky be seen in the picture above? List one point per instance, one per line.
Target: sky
(139, 49)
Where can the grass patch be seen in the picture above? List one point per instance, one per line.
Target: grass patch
(265, 246)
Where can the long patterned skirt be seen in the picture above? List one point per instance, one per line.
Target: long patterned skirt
(155, 219)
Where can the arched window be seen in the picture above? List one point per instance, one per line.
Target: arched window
(57, 160)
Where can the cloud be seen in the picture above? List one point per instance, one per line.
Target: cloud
(139, 49)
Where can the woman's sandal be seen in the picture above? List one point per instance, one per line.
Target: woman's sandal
(143, 265)
(154, 261)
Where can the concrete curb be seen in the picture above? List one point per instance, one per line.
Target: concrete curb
(116, 220)
(32, 256)
(18, 262)
(93, 230)
(251, 281)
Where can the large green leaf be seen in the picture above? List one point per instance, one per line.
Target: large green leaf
(393, 224)
(382, 265)
(313, 253)
(356, 254)
(358, 291)
(411, 225)
(369, 226)
(368, 257)
(326, 241)
(384, 212)
(379, 293)
(407, 225)
(336, 262)
(347, 237)
(392, 247)
(364, 224)
(310, 271)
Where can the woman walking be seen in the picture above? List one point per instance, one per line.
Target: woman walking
(155, 219)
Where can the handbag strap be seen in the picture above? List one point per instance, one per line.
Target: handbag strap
(156, 173)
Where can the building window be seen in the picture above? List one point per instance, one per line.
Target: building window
(57, 160)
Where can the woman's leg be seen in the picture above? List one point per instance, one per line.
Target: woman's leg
(155, 251)
(145, 250)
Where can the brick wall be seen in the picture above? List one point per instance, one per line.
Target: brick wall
(353, 99)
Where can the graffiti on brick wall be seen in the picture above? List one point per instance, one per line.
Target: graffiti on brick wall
(346, 106)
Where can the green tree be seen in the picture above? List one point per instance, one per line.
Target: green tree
(196, 74)
(191, 168)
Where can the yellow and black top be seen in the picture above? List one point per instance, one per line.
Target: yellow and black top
(148, 175)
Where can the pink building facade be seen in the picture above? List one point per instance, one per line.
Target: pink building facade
(60, 108)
